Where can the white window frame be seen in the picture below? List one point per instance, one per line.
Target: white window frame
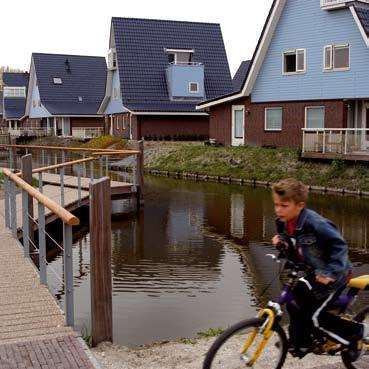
(332, 68)
(197, 87)
(265, 119)
(314, 107)
(238, 141)
(298, 71)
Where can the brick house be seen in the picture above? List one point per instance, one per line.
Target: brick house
(158, 71)
(307, 85)
(65, 92)
(2, 122)
(15, 87)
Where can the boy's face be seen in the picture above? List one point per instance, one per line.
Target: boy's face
(287, 210)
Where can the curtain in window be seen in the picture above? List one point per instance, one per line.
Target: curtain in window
(238, 123)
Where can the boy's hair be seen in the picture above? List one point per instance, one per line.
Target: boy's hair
(291, 189)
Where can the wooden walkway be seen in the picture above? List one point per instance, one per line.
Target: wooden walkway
(117, 188)
(32, 325)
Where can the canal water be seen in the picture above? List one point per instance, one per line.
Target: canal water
(194, 258)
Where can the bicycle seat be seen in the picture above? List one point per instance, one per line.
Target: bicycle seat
(362, 282)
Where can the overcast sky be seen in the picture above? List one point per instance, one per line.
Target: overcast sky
(82, 26)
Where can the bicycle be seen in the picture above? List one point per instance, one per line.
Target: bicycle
(261, 343)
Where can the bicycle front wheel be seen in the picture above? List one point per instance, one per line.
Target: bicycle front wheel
(239, 344)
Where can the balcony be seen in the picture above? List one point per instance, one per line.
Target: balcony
(336, 4)
(87, 133)
(336, 143)
(186, 81)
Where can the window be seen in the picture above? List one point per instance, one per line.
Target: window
(273, 119)
(123, 122)
(117, 122)
(39, 103)
(179, 56)
(336, 57)
(34, 103)
(57, 81)
(80, 99)
(194, 87)
(294, 61)
(314, 117)
(14, 91)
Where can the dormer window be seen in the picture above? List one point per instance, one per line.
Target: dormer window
(179, 56)
(336, 4)
(80, 99)
(57, 81)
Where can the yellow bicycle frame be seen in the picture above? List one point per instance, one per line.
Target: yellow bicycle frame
(267, 333)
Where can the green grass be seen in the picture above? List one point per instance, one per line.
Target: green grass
(263, 164)
(104, 142)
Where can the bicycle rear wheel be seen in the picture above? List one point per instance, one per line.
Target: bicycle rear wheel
(227, 350)
(363, 362)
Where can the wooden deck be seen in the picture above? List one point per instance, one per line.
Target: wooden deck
(357, 156)
(117, 188)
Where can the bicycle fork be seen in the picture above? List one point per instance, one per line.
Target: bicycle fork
(266, 330)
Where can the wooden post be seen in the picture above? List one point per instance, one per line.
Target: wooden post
(27, 177)
(140, 173)
(100, 261)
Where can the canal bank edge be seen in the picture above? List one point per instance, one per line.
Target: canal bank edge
(243, 182)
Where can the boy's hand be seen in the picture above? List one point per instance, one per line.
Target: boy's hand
(324, 280)
(276, 241)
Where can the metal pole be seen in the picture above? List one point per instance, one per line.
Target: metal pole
(346, 132)
(100, 166)
(6, 200)
(91, 170)
(62, 187)
(42, 158)
(11, 154)
(68, 274)
(25, 223)
(84, 166)
(13, 207)
(42, 243)
(40, 182)
(134, 174)
(79, 183)
(324, 142)
(107, 166)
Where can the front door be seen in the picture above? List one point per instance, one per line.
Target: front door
(238, 125)
(66, 127)
(365, 125)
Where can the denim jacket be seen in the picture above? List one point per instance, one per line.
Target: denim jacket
(322, 245)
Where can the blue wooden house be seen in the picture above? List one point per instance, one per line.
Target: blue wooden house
(158, 71)
(307, 84)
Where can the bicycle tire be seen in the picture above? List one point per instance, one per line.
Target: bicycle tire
(364, 362)
(233, 330)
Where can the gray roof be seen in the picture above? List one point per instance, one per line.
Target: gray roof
(142, 62)
(15, 79)
(14, 107)
(362, 12)
(81, 76)
(240, 76)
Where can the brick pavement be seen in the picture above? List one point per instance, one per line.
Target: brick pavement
(66, 352)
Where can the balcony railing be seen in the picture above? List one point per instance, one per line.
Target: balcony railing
(336, 140)
(87, 133)
(30, 132)
(333, 4)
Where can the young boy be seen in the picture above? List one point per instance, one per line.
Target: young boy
(316, 242)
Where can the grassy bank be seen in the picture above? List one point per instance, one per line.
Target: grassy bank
(261, 164)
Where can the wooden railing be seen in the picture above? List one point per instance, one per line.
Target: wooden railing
(335, 140)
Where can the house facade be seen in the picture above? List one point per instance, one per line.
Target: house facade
(65, 92)
(2, 122)
(308, 83)
(15, 86)
(158, 71)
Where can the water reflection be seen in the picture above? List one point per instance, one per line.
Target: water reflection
(194, 258)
